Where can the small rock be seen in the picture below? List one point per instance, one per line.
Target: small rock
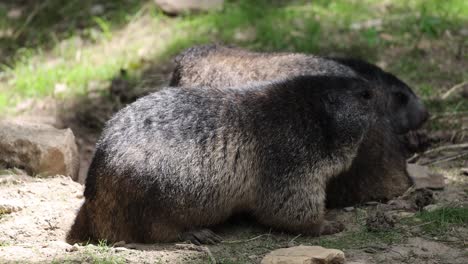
(175, 7)
(119, 244)
(404, 214)
(15, 13)
(120, 249)
(422, 177)
(399, 204)
(348, 209)
(380, 220)
(305, 254)
(421, 198)
(60, 245)
(431, 207)
(38, 149)
(8, 207)
(72, 248)
(372, 203)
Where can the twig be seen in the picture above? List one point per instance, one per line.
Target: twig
(453, 89)
(243, 241)
(445, 159)
(413, 158)
(294, 238)
(448, 147)
(439, 149)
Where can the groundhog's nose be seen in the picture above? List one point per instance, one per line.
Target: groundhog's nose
(425, 116)
(421, 115)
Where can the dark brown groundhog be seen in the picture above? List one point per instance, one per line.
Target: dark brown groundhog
(182, 159)
(379, 172)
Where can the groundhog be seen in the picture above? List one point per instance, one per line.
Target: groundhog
(379, 172)
(221, 66)
(180, 160)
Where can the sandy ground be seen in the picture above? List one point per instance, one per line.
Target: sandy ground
(43, 210)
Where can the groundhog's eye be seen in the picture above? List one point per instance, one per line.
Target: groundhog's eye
(366, 94)
(401, 97)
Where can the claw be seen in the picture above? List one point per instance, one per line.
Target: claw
(202, 236)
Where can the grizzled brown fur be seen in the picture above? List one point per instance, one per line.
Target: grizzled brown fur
(182, 159)
(379, 172)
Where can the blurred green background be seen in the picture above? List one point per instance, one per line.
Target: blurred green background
(67, 49)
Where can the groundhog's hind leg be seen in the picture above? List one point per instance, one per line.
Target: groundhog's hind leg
(171, 232)
(80, 230)
(300, 210)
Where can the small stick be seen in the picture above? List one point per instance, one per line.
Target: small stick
(445, 159)
(439, 149)
(448, 147)
(413, 158)
(243, 241)
(453, 89)
(294, 238)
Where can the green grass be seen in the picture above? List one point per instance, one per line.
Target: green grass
(69, 45)
(361, 239)
(99, 254)
(441, 221)
(4, 243)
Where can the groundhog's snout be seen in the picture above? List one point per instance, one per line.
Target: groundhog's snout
(424, 115)
(418, 114)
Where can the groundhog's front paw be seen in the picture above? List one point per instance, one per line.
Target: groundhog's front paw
(202, 236)
(331, 227)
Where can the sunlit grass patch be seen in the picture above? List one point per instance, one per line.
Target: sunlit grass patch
(442, 220)
(97, 50)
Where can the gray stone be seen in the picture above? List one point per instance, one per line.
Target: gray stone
(304, 254)
(431, 207)
(39, 149)
(182, 6)
(422, 177)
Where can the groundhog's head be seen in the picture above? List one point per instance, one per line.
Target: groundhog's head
(404, 109)
(351, 105)
(343, 108)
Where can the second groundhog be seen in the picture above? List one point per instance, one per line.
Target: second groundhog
(181, 159)
(221, 66)
(379, 171)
